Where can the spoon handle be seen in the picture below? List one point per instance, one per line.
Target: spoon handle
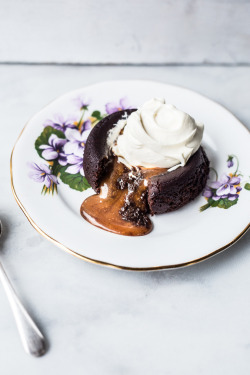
(31, 337)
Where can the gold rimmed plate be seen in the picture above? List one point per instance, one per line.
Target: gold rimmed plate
(49, 186)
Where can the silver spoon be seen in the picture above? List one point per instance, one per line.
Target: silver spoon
(31, 337)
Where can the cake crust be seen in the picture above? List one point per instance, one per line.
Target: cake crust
(172, 190)
(96, 155)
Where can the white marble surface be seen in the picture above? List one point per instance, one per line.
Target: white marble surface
(102, 321)
(131, 31)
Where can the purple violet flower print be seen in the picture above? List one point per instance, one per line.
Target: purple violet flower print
(86, 126)
(113, 107)
(76, 142)
(230, 162)
(225, 187)
(207, 192)
(59, 123)
(82, 103)
(77, 164)
(54, 150)
(43, 174)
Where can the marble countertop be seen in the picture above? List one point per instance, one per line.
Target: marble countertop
(97, 320)
(131, 31)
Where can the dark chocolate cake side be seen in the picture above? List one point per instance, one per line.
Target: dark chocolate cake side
(96, 160)
(172, 190)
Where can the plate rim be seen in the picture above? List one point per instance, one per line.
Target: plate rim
(96, 261)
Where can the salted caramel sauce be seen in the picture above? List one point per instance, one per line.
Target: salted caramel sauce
(121, 206)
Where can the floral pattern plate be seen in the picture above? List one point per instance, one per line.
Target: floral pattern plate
(49, 185)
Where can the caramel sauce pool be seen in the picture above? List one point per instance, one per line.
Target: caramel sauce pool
(103, 210)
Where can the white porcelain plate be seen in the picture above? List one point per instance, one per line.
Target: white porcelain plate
(49, 186)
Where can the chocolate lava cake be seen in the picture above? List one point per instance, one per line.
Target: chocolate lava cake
(164, 191)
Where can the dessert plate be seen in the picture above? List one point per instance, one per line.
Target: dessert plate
(49, 186)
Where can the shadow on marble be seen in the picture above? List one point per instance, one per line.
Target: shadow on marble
(200, 272)
(6, 230)
(215, 264)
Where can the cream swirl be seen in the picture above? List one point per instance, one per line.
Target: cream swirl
(157, 135)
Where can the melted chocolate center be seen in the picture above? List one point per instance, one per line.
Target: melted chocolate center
(121, 207)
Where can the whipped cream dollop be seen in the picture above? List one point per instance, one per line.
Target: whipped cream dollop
(157, 135)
